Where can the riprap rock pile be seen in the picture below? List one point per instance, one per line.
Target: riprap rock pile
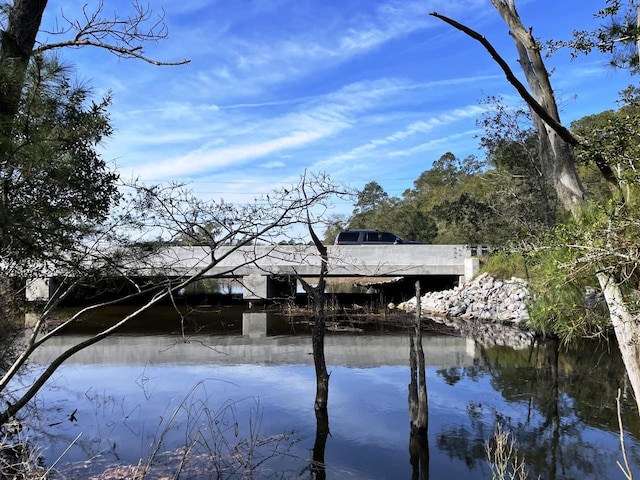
(479, 308)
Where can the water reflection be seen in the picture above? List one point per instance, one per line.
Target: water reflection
(560, 406)
(126, 391)
(254, 324)
(318, 462)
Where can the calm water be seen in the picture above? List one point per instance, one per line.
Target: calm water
(226, 401)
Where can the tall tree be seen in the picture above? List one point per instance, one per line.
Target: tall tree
(373, 208)
(53, 184)
(554, 140)
(370, 198)
(555, 154)
(610, 226)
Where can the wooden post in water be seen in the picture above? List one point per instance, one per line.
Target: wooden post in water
(418, 403)
(418, 406)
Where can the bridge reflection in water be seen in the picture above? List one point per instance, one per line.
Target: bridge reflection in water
(255, 347)
(134, 389)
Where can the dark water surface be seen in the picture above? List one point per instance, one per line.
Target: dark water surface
(229, 403)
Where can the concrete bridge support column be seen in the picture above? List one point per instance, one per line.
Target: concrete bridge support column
(40, 289)
(265, 287)
(471, 268)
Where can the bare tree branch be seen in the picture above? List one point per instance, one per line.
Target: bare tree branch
(122, 36)
(560, 129)
(174, 212)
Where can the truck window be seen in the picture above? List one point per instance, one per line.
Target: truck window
(371, 237)
(348, 237)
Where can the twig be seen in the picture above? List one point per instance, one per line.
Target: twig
(626, 471)
(46, 474)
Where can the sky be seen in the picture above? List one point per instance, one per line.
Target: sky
(363, 90)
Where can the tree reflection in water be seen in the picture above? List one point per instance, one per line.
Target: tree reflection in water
(318, 468)
(564, 394)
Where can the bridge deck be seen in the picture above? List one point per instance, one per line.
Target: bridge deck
(344, 260)
(257, 265)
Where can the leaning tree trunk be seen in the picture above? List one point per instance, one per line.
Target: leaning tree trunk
(556, 156)
(626, 327)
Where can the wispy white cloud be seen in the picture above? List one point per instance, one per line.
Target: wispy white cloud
(271, 165)
(419, 129)
(250, 62)
(365, 90)
(442, 144)
(319, 118)
(197, 161)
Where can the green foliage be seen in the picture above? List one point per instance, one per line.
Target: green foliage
(447, 194)
(558, 307)
(370, 198)
(599, 238)
(335, 224)
(54, 186)
(413, 223)
(616, 36)
(462, 201)
(504, 265)
(612, 142)
(375, 209)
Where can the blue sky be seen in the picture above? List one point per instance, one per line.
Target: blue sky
(364, 90)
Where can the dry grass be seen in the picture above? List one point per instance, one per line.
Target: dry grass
(504, 459)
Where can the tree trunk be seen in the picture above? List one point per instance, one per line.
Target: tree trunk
(17, 45)
(627, 329)
(317, 337)
(317, 340)
(556, 156)
(318, 468)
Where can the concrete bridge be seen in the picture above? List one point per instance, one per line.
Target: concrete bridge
(262, 268)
